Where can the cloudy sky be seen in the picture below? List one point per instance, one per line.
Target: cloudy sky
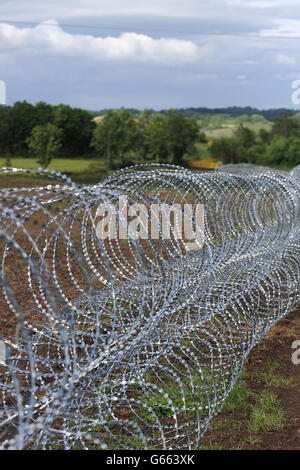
(150, 53)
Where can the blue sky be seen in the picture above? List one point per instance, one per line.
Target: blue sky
(151, 54)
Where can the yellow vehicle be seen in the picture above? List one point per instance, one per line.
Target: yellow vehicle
(205, 164)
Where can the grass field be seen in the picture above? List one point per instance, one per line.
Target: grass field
(227, 130)
(65, 165)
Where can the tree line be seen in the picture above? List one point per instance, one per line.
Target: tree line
(235, 111)
(72, 127)
(125, 139)
(280, 146)
(231, 111)
(121, 138)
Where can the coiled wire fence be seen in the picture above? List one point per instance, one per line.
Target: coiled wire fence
(135, 343)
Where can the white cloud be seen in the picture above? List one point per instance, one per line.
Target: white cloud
(58, 65)
(285, 27)
(284, 59)
(128, 46)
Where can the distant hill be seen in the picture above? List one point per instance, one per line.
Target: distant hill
(232, 111)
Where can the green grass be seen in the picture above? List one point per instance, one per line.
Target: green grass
(164, 406)
(238, 398)
(270, 379)
(262, 411)
(266, 414)
(226, 424)
(65, 165)
(227, 130)
(222, 132)
(203, 150)
(211, 446)
(252, 440)
(133, 443)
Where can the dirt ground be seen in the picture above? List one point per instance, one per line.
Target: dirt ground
(230, 429)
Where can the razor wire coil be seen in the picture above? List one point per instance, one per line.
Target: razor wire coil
(136, 342)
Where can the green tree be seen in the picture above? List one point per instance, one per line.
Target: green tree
(45, 141)
(282, 151)
(228, 150)
(264, 136)
(23, 120)
(245, 136)
(157, 138)
(276, 152)
(144, 119)
(6, 130)
(77, 129)
(255, 154)
(170, 136)
(115, 135)
(293, 152)
(44, 113)
(202, 137)
(286, 125)
(182, 134)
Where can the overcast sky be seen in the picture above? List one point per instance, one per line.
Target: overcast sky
(150, 53)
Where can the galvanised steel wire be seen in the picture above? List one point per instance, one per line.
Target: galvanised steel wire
(135, 343)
